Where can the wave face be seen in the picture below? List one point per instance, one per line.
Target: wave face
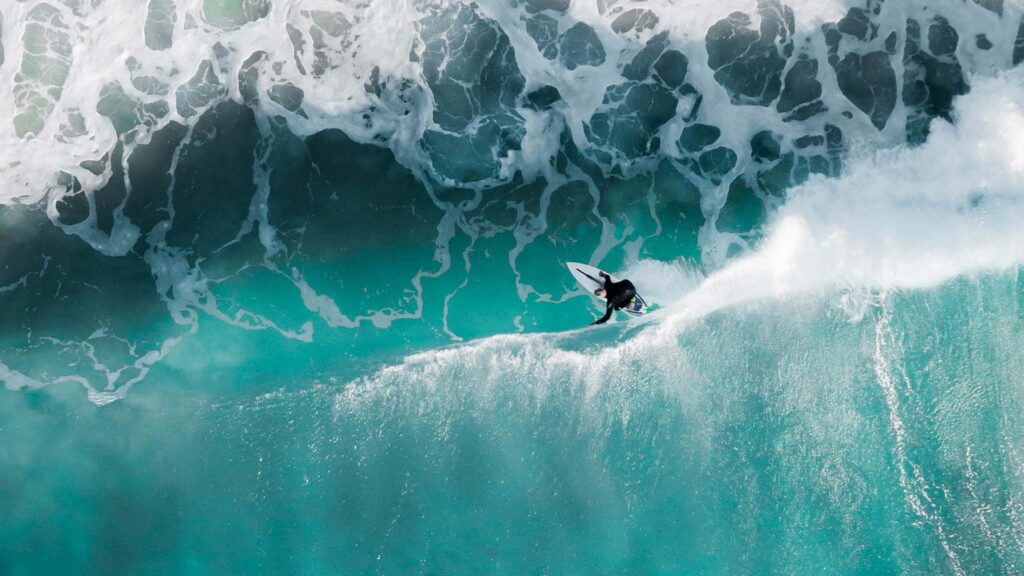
(306, 261)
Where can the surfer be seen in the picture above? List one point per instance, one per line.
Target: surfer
(618, 294)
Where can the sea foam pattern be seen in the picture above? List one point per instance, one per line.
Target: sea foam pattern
(325, 170)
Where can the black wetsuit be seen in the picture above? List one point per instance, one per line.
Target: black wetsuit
(619, 295)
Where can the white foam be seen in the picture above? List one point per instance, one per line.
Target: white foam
(382, 35)
(105, 35)
(902, 218)
(664, 283)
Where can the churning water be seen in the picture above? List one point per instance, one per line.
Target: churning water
(282, 287)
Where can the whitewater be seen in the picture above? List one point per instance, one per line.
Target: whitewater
(282, 287)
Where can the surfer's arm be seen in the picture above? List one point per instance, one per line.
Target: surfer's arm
(607, 315)
(607, 281)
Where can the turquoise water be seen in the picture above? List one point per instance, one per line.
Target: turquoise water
(283, 287)
(759, 440)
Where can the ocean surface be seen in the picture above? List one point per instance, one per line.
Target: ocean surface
(283, 287)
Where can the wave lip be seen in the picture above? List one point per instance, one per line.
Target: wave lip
(899, 219)
(903, 219)
(574, 131)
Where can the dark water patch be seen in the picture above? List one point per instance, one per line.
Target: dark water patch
(635, 20)
(374, 85)
(160, 20)
(995, 6)
(667, 196)
(149, 168)
(349, 221)
(800, 97)
(696, 137)
(869, 82)
(214, 179)
(149, 85)
(748, 63)
(1018, 44)
(580, 46)
(465, 49)
(553, 5)
(543, 98)
(544, 31)
(63, 299)
(298, 46)
(857, 23)
(631, 117)
(779, 163)
(358, 227)
(932, 77)
(790, 169)
(73, 206)
(671, 68)
(621, 196)
(478, 154)
(472, 72)
(729, 39)
(764, 146)
(835, 142)
(639, 68)
(890, 43)
(124, 112)
(363, 196)
(502, 208)
(570, 154)
(571, 207)
(108, 199)
(248, 76)
(866, 77)
(45, 65)
(288, 96)
(716, 163)
(942, 37)
(203, 88)
(743, 211)
(677, 205)
(809, 140)
(343, 219)
(651, 104)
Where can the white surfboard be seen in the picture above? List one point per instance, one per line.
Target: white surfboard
(590, 279)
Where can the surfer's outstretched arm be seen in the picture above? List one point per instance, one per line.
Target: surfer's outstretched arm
(607, 314)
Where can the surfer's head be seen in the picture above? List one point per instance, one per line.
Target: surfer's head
(601, 293)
